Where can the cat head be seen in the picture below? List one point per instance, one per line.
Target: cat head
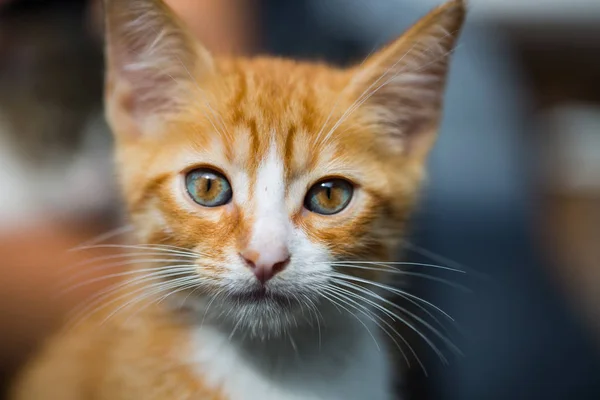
(275, 181)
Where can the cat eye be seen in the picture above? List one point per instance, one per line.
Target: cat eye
(329, 197)
(208, 187)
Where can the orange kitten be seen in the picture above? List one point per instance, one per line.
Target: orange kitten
(265, 189)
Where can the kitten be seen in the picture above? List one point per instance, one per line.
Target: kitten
(262, 188)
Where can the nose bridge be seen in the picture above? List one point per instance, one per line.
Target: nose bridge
(270, 232)
(272, 225)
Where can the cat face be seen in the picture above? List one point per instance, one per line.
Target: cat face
(278, 179)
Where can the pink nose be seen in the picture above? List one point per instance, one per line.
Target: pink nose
(268, 263)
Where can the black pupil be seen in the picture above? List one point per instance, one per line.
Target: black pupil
(208, 183)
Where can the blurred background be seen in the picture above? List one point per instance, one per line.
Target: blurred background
(514, 193)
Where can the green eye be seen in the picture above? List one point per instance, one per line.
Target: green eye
(329, 197)
(208, 187)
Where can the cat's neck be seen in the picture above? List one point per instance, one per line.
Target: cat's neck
(312, 339)
(306, 344)
(338, 360)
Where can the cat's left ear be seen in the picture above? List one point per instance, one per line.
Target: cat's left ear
(401, 87)
(153, 66)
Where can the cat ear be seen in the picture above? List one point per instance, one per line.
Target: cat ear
(153, 65)
(402, 85)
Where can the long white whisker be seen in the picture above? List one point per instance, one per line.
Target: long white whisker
(416, 317)
(160, 273)
(213, 298)
(188, 267)
(129, 255)
(391, 290)
(75, 277)
(408, 273)
(187, 297)
(154, 247)
(391, 303)
(108, 235)
(194, 284)
(393, 263)
(166, 286)
(347, 295)
(423, 336)
(99, 297)
(337, 304)
(442, 259)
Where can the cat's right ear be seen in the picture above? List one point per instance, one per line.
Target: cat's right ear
(153, 66)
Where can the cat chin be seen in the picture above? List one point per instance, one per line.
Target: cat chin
(250, 315)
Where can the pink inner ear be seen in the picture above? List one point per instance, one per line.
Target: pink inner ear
(152, 60)
(401, 87)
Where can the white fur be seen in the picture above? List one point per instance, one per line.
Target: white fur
(272, 227)
(346, 365)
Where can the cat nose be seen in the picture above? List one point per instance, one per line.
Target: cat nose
(267, 263)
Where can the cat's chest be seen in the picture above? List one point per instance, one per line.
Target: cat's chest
(363, 374)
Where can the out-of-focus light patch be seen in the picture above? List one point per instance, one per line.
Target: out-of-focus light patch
(16, 205)
(76, 187)
(570, 141)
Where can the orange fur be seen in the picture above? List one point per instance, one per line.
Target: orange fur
(229, 114)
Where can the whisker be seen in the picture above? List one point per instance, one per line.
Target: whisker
(312, 307)
(410, 273)
(414, 316)
(213, 298)
(187, 297)
(188, 267)
(442, 259)
(235, 328)
(394, 305)
(160, 273)
(401, 263)
(416, 330)
(341, 293)
(391, 290)
(337, 304)
(108, 235)
(156, 247)
(172, 247)
(125, 255)
(194, 284)
(166, 286)
(123, 263)
(105, 294)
